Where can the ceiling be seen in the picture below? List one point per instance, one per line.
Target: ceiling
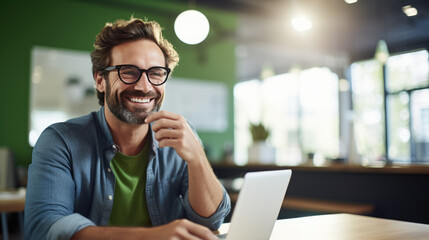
(341, 33)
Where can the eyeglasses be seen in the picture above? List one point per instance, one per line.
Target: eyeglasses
(130, 74)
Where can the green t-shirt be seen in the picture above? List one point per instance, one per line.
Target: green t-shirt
(129, 203)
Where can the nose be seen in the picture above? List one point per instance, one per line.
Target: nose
(143, 84)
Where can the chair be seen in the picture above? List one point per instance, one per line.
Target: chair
(11, 199)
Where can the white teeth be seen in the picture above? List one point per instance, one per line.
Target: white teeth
(140, 100)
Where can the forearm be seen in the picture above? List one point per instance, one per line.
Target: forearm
(106, 233)
(205, 191)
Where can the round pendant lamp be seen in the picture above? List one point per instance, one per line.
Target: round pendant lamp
(191, 27)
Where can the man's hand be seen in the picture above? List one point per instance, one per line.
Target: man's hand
(176, 230)
(182, 229)
(172, 130)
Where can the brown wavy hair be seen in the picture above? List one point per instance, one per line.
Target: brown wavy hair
(122, 31)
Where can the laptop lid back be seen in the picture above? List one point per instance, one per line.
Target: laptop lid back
(258, 205)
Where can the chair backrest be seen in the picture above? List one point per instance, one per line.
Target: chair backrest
(8, 172)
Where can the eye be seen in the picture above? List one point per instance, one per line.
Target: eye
(157, 72)
(129, 72)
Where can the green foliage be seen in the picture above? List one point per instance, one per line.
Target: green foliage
(259, 132)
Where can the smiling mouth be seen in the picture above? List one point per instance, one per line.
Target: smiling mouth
(140, 100)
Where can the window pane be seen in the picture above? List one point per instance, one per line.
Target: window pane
(281, 114)
(247, 108)
(398, 128)
(367, 87)
(407, 71)
(420, 123)
(319, 112)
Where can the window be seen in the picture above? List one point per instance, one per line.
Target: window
(420, 125)
(401, 94)
(300, 109)
(367, 87)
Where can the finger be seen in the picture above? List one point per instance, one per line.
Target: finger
(185, 235)
(168, 133)
(201, 232)
(161, 114)
(182, 230)
(169, 142)
(164, 123)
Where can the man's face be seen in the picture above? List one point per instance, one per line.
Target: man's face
(133, 103)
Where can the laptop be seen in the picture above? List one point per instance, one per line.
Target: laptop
(258, 205)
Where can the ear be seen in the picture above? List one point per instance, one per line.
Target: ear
(100, 83)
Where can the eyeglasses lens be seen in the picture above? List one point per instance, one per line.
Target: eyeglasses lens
(157, 75)
(131, 74)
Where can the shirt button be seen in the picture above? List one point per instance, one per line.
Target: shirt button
(109, 170)
(115, 147)
(110, 197)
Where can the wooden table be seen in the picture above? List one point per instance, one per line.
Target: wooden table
(344, 227)
(11, 201)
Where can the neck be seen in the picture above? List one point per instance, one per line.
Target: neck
(129, 137)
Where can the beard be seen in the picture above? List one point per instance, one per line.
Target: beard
(116, 105)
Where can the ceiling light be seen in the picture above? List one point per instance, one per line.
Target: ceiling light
(350, 1)
(382, 52)
(301, 24)
(410, 11)
(191, 27)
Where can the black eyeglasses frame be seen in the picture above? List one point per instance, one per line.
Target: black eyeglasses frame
(118, 68)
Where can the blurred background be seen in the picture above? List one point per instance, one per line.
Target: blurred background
(275, 83)
(306, 70)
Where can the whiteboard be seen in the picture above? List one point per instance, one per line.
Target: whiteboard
(61, 87)
(203, 103)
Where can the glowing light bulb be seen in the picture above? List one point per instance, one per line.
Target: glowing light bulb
(350, 1)
(410, 11)
(191, 27)
(301, 24)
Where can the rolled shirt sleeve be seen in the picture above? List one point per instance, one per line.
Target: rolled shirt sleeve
(216, 219)
(66, 226)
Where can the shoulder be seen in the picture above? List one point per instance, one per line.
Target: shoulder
(63, 132)
(82, 123)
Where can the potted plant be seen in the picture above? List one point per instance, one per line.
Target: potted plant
(259, 132)
(260, 151)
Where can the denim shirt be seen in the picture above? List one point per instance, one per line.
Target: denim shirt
(71, 185)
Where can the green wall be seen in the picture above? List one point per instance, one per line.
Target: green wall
(73, 24)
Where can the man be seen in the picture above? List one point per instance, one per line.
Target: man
(127, 164)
